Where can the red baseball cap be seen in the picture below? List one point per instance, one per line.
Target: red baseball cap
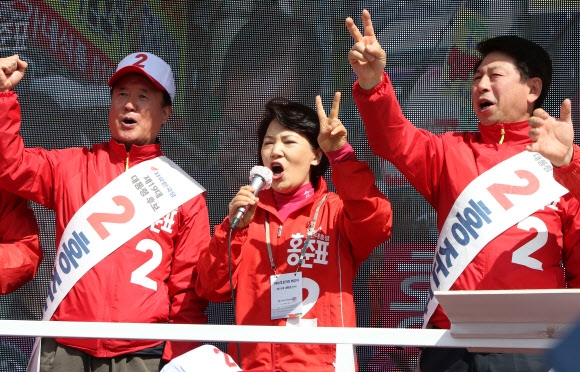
(156, 69)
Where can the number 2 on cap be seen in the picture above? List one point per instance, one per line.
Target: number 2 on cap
(139, 63)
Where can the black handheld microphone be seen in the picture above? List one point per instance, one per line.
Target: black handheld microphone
(260, 178)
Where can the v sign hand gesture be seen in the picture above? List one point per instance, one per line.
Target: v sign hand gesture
(367, 58)
(332, 134)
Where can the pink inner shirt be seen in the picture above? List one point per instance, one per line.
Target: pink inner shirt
(288, 203)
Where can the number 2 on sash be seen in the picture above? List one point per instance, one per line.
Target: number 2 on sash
(97, 219)
(500, 190)
(139, 276)
(523, 255)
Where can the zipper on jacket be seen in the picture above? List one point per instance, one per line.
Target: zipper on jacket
(502, 135)
(127, 162)
(280, 231)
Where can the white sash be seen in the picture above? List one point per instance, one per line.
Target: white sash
(493, 202)
(118, 212)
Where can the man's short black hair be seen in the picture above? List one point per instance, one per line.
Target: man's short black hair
(531, 59)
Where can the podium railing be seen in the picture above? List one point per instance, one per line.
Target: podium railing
(345, 339)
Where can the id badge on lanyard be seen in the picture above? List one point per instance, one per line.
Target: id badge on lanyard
(286, 289)
(286, 294)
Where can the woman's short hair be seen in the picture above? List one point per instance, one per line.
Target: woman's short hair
(298, 118)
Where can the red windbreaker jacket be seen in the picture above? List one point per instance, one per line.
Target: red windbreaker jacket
(350, 225)
(441, 166)
(63, 180)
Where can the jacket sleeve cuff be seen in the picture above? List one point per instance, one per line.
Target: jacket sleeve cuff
(9, 93)
(356, 89)
(343, 154)
(569, 175)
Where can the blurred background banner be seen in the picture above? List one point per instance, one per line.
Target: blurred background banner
(229, 57)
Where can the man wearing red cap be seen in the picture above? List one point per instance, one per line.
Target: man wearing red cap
(129, 222)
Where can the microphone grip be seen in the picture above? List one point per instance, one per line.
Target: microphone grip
(257, 183)
(238, 217)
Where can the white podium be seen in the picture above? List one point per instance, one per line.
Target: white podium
(542, 314)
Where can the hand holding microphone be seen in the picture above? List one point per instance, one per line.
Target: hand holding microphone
(244, 203)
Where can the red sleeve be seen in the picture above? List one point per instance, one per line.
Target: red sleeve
(367, 219)
(569, 175)
(213, 281)
(25, 172)
(346, 153)
(571, 240)
(20, 252)
(186, 306)
(417, 153)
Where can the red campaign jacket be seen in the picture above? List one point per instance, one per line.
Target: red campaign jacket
(20, 252)
(441, 166)
(569, 175)
(63, 180)
(352, 223)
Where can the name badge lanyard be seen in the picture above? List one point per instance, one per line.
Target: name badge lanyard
(309, 234)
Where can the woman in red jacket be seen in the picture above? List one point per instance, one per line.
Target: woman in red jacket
(298, 217)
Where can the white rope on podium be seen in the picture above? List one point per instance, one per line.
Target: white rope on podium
(344, 338)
